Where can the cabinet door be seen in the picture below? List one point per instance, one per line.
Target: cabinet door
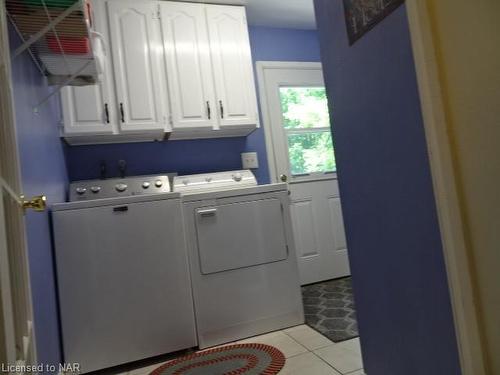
(137, 60)
(90, 109)
(189, 68)
(232, 60)
(86, 110)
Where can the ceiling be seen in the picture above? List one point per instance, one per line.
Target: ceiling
(296, 14)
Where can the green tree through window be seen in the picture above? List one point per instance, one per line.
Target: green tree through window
(307, 126)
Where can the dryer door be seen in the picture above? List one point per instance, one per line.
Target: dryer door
(241, 234)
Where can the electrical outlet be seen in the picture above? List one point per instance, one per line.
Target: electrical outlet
(249, 160)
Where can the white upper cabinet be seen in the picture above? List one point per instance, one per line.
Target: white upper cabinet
(90, 109)
(189, 68)
(232, 62)
(137, 52)
(184, 68)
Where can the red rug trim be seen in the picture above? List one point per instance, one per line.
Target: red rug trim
(277, 359)
(252, 361)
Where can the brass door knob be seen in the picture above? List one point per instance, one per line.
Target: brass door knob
(283, 178)
(37, 204)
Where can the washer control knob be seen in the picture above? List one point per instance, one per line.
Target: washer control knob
(81, 190)
(237, 177)
(158, 183)
(209, 179)
(185, 182)
(95, 189)
(146, 185)
(121, 187)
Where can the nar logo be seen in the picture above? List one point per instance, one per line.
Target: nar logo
(69, 368)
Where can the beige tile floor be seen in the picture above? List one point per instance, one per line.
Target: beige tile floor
(306, 351)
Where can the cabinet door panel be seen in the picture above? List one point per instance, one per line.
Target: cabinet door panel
(233, 70)
(137, 56)
(189, 68)
(84, 108)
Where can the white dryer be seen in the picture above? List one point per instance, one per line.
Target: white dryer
(243, 266)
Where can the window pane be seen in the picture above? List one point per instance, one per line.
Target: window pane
(311, 152)
(304, 107)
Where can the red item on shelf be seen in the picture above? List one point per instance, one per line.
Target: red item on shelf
(68, 45)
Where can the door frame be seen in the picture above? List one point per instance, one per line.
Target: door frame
(262, 66)
(7, 335)
(13, 348)
(449, 205)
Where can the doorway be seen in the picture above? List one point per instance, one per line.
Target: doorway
(300, 152)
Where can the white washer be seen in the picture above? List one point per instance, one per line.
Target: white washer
(122, 272)
(244, 271)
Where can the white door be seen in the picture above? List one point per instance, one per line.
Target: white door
(232, 61)
(300, 149)
(91, 109)
(189, 68)
(86, 110)
(17, 342)
(137, 52)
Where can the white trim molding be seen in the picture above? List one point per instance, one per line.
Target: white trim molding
(446, 194)
(17, 333)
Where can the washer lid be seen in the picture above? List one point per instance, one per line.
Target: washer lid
(208, 182)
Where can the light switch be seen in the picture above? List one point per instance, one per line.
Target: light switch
(249, 160)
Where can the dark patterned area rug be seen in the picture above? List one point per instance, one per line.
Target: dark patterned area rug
(329, 309)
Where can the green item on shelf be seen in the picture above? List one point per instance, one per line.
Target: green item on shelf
(51, 3)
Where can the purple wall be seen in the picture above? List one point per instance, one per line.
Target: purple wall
(198, 156)
(184, 157)
(400, 284)
(43, 170)
(269, 44)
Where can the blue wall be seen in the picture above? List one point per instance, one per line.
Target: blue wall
(269, 44)
(185, 157)
(198, 156)
(43, 170)
(400, 284)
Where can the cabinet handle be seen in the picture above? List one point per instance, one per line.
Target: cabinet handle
(208, 213)
(209, 112)
(122, 112)
(221, 109)
(106, 112)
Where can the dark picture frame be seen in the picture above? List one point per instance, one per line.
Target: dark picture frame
(362, 15)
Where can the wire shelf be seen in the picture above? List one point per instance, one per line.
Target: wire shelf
(57, 34)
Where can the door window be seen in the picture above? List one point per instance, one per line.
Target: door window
(306, 123)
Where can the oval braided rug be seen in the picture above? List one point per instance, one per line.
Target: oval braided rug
(248, 359)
